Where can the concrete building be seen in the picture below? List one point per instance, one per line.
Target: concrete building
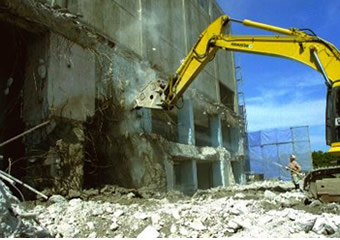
(81, 63)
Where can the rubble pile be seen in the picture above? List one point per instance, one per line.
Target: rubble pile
(14, 220)
(267, 209)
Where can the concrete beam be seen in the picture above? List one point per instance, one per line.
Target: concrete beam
(34, 16)
(183, 152)
(186, 127)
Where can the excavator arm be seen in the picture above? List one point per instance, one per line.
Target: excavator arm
(296, 45)
(291, 43)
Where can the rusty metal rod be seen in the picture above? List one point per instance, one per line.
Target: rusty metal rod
(23, 184)
(24, 133)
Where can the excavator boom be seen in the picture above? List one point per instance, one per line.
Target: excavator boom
(293, 44)
(297, 45)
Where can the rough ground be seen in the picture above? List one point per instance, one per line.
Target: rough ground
(260, 209)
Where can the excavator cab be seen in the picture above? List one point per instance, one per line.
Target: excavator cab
(333, 120)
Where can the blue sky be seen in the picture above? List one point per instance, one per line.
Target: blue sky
(281, 92)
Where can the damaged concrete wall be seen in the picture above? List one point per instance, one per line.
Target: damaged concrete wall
(55, 72)
(57, 86)
(89, 93)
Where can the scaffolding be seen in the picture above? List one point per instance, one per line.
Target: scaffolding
(242, 113)
(269, 151)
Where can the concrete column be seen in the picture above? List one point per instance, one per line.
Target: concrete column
(238, 170)
(215, 131)
(170, 175)
(237, 147)
(221, 169)
(190, 183)
(194, 175)
(185, 119)
(186, 135)
(227, 173)
(217, 174)
(146, 121)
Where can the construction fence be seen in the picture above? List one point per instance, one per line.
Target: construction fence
(269, 151)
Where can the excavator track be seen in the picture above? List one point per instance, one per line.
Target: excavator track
(323, 184)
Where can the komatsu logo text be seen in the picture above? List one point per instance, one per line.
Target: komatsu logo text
(242, 45)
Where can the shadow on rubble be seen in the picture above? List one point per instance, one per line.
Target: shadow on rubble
(276, 189)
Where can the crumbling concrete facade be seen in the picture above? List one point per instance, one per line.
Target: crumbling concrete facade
(85, 62)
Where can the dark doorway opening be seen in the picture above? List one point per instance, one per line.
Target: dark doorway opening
(13, 46)
(204, 175)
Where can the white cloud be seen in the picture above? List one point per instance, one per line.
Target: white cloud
(267, 95)
(275, 115)
(301, 79)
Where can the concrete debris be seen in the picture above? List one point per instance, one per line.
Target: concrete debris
(269, 195)
(173, 228)
(141, 216)
(219, 214)
(197, 225)
(118, 213)
(92, 235)
(15, 221)
(315, 203)
(57, 199)
(239, 196)
(130, 195)
(149, 233)
(114, 226)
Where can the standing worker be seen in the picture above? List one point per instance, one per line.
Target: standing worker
(294, 168)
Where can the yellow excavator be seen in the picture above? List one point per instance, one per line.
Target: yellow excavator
(299, 45)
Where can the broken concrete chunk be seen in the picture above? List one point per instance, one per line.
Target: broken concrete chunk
(234, 225)
(97, 211)
(130, 195)
(114, 226)
(269, 195)
(239, 196)
(65, 229)
(155, 218)
(149, 232)
(315, 203)
(175, 214)
(109, 210)
(234, 211)
(57, 199)
(118, 213)
(292, 216)
(306, 223)
(183, 231)
(265, 219)
(90, 226)
(324, 226)
(244, 223)
(141, 215)
(197, 225)
(92, 235)
(173, 228)
(75, 202)
(73, 193)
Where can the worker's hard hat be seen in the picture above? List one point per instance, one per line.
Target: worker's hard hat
(292, 156)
